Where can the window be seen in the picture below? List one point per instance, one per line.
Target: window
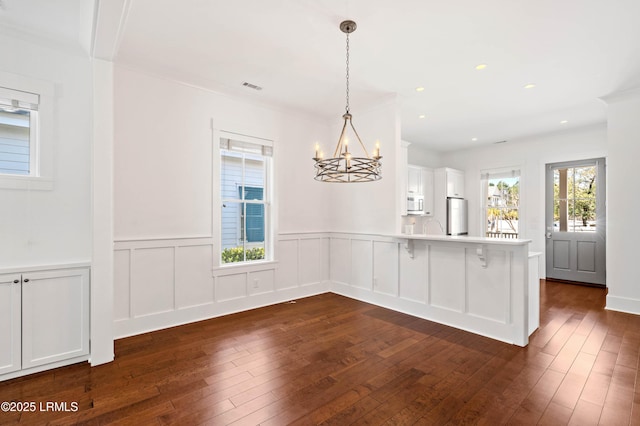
(245, 191)
(574, 199)
(502, 203)
(18, 133)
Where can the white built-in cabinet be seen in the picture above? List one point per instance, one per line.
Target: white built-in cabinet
(420, 183)
(427, 184)
(44, 320)
(455, 183)
(414, 180)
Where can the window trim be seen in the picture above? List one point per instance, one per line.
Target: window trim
(41, 140)
(269, 191)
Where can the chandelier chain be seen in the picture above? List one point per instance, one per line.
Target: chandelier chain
(347, 107)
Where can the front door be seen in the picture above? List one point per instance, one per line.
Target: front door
(575, 221)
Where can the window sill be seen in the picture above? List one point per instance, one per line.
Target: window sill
(239, 268)
(36, 183)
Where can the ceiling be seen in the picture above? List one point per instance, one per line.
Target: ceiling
(574, 51)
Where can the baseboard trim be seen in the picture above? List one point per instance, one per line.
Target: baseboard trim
(623, 304)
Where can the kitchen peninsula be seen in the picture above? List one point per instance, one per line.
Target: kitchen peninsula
(488, 286)
(478, 284)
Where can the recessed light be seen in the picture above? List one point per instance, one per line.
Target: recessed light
(420, 89)
(421, 116)
(481, 66)
(474, 139)
(564, 121)
(529, 86)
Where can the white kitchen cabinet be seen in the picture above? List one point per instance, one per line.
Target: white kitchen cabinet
(414, 180)
(427, 190)
(10, 327)
(420, 183)
(45, 320)
(455, 183)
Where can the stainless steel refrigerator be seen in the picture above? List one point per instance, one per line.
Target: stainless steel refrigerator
(456, 216)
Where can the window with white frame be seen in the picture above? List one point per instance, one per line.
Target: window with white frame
(245, 193)
(18, 132)
(501, 195)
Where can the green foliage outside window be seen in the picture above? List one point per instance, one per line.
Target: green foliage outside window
(237, 254)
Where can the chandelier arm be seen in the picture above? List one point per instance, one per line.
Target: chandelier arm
(341, 139)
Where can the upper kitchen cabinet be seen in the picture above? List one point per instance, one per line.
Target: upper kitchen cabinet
(419, 190)
(454, 181)
(414, 180)
(427, 190)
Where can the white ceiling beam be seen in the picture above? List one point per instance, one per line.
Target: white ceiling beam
(109, 22)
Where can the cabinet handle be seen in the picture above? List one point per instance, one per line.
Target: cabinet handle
(26, 280)
(16, 281)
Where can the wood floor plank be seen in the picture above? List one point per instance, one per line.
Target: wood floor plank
(332, 360)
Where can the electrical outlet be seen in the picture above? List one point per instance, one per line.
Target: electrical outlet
(256, 283)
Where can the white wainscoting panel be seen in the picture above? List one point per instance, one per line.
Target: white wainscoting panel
(122, 284)
(340, 260)
(385, 267)
(288, 264)
(447, 281)
(489, 289)
(193, 283)
(166, 282)
(231, 287)
(414, 273)
(313, 265)
(261, 282)
(152, 281)
(362, 264)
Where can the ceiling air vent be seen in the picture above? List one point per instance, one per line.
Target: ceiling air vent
(251, 86)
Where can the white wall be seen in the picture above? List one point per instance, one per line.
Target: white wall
(52, 226)
(623, 203)
(163, 157)
(530, 154)
(165, 240)
(369, 207)
(420, 155)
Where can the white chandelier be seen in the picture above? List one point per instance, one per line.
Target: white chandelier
(344, 166)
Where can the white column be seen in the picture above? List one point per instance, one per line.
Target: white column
(102, 203)
(623, 203)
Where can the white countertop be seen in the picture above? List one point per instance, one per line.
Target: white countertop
(463, 239)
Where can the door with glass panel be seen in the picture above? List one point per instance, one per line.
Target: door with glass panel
(575, 221)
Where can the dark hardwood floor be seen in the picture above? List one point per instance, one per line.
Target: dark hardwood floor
(332, 360)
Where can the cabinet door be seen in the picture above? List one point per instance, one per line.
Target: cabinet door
(427, 191)
(455, 184)
(55, 316)
(414, 180)
(10, 323)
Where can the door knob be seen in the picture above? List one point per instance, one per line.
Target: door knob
(548, 235)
